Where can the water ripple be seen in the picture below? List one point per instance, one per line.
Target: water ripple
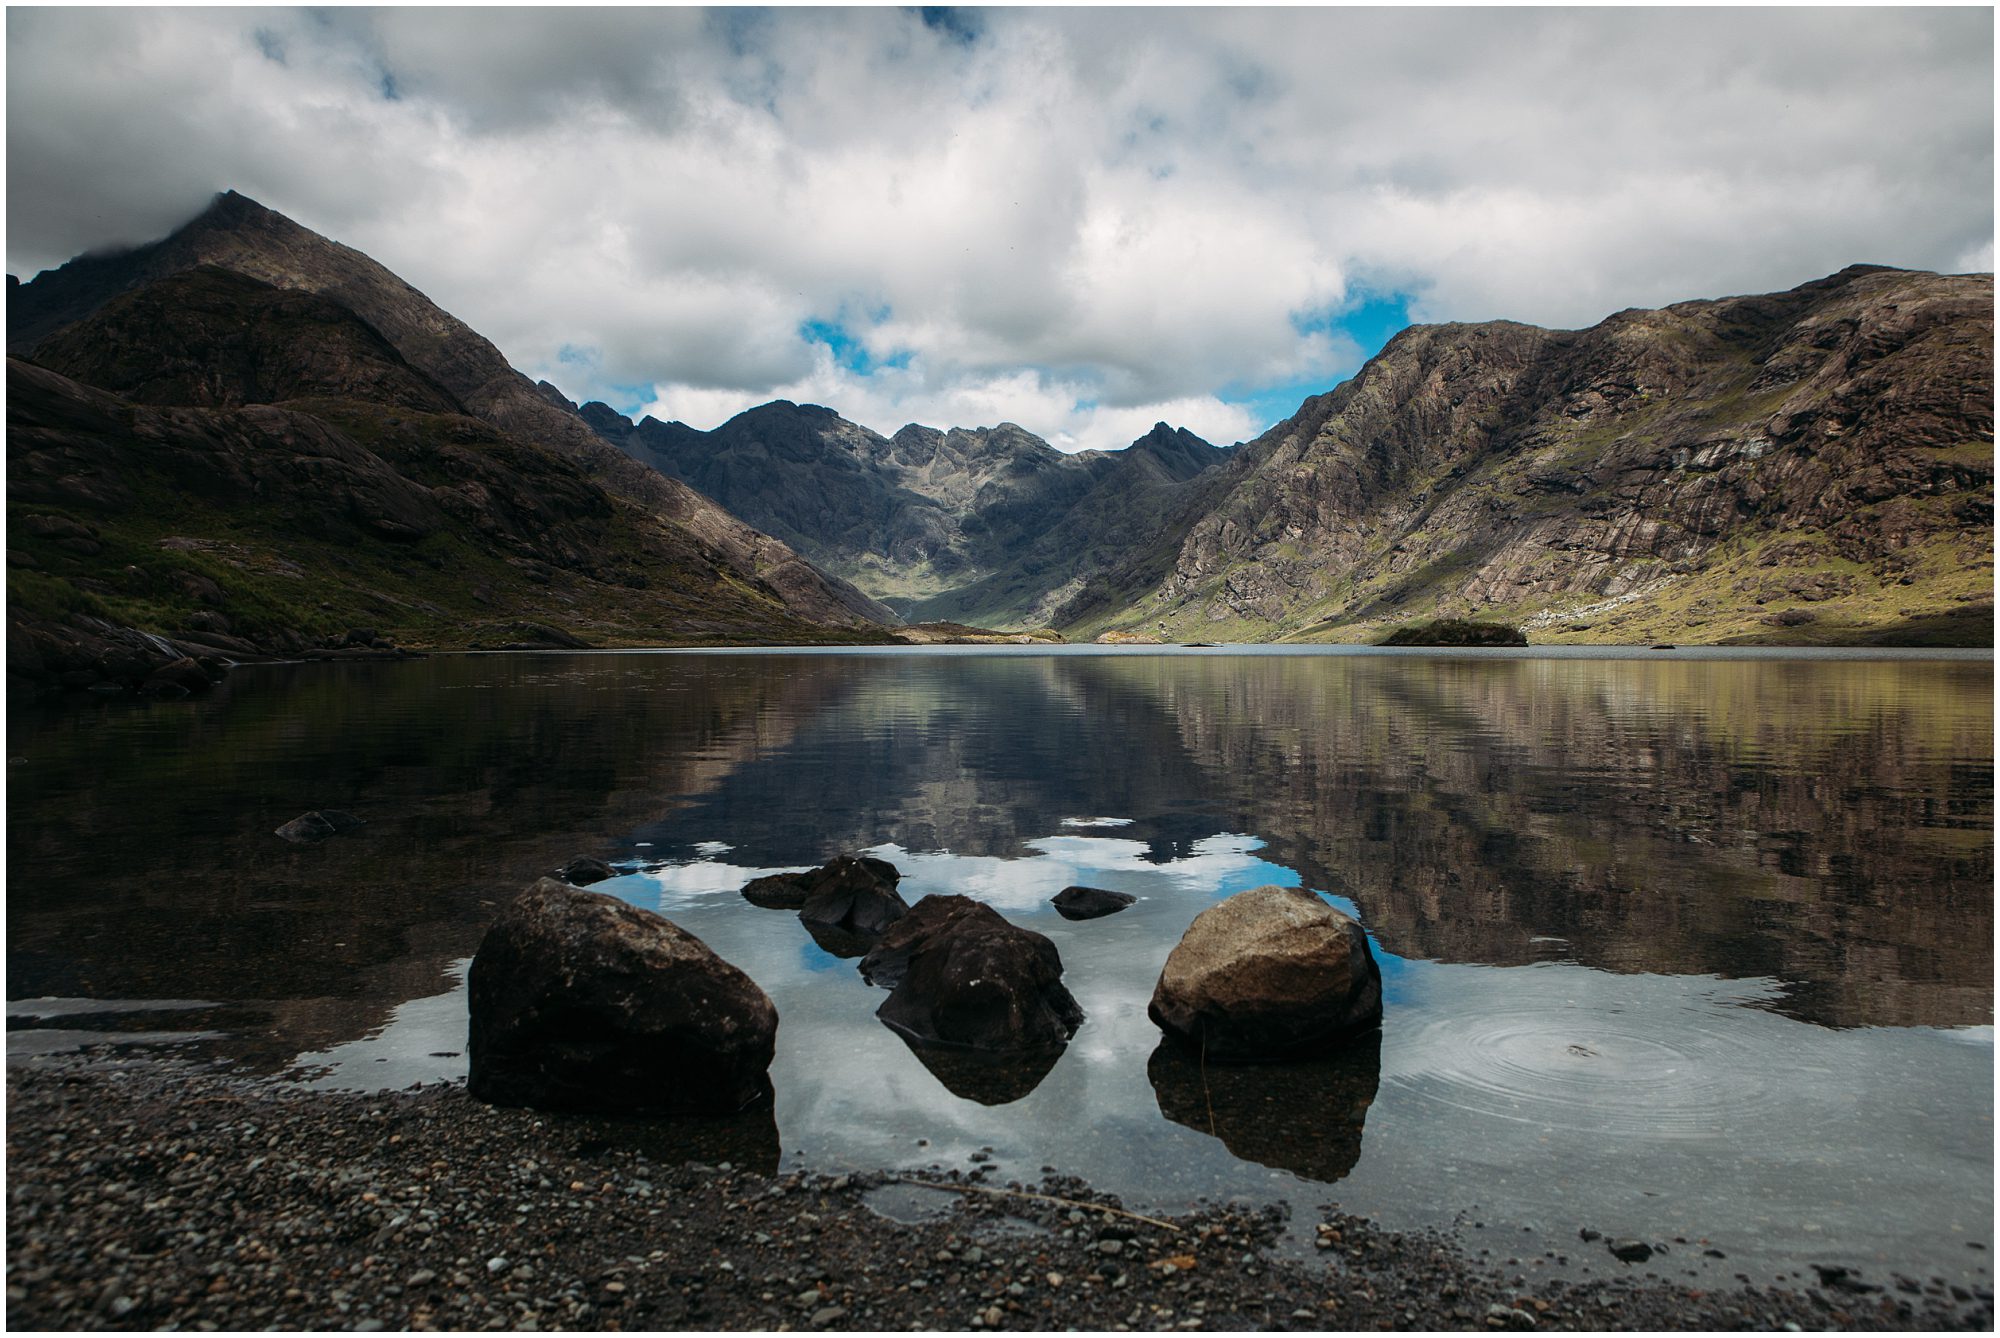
(1681, 1072)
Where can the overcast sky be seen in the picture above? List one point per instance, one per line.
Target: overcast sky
(1081, 221)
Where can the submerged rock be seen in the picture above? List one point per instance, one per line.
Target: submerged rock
(1089, 903)
(583, 871)
(580, 1001)
(961, 975)
(1269, 973)
(317, 825)
(853, 893)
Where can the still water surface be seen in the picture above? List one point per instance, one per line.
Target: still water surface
(1689, 946)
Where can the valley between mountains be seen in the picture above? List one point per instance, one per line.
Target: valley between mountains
(246, 440)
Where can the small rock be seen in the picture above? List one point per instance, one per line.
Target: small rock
(1631, 1251)
(827, 1315)
(420, 1277)
(497, 1264)
(583, 871)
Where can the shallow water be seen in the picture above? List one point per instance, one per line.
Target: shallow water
(1674, 945)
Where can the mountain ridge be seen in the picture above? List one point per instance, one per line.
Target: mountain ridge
(977, 525)
(1813, 464)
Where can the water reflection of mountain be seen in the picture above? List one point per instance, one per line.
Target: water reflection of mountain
(1825, 824)
(1828, 825)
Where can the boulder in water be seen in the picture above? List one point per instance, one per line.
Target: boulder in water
(580, 1001)
(961, 975)
(1089, 903)
(1270, 973)
(853, 893)
(583, 870)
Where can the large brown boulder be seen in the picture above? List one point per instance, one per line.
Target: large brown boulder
(581, 1001)
(961, 975)
(853, 893)
(1268, 974)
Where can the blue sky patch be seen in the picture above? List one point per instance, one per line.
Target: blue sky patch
(1371, 323)
(848, 351)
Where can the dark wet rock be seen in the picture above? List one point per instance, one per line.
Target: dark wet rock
(1089, 903)
(1304, 1116)
(854, 893)
(961, 975)
(1844, 1279)
(1630, 1250)
(86, 652)
(319, 824)
(839, 942)
(1268, 973)
(777, 891)
(184, 674)
(580, 1001)
(583, 871)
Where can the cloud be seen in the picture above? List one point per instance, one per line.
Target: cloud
(1077, 220)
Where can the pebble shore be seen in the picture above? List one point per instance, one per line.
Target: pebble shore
(158, 1194)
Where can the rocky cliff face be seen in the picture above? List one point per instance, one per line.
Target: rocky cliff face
(1814, 465)
(240, 236)
(989, 525)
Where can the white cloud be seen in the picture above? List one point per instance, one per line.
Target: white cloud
(1081, 221)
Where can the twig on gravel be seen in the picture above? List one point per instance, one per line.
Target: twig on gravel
(1039, 1198)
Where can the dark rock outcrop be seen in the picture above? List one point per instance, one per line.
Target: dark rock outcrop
(82, 652)
(961, 975)
(580, 1001)
(1089, 903)
(1305, 1116)
(1270, 973)
(316, 826)
(854, 894)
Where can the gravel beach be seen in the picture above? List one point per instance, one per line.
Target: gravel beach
(149, 1193)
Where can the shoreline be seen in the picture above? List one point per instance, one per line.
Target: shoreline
(146, 1192)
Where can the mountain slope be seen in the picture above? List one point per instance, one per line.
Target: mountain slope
(241, 236)
(259, 472)
(987, 525)
(1802, 466)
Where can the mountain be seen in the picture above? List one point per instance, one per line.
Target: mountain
(239, 235)
(246, 468)
(987, 525)
(1807, 466)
